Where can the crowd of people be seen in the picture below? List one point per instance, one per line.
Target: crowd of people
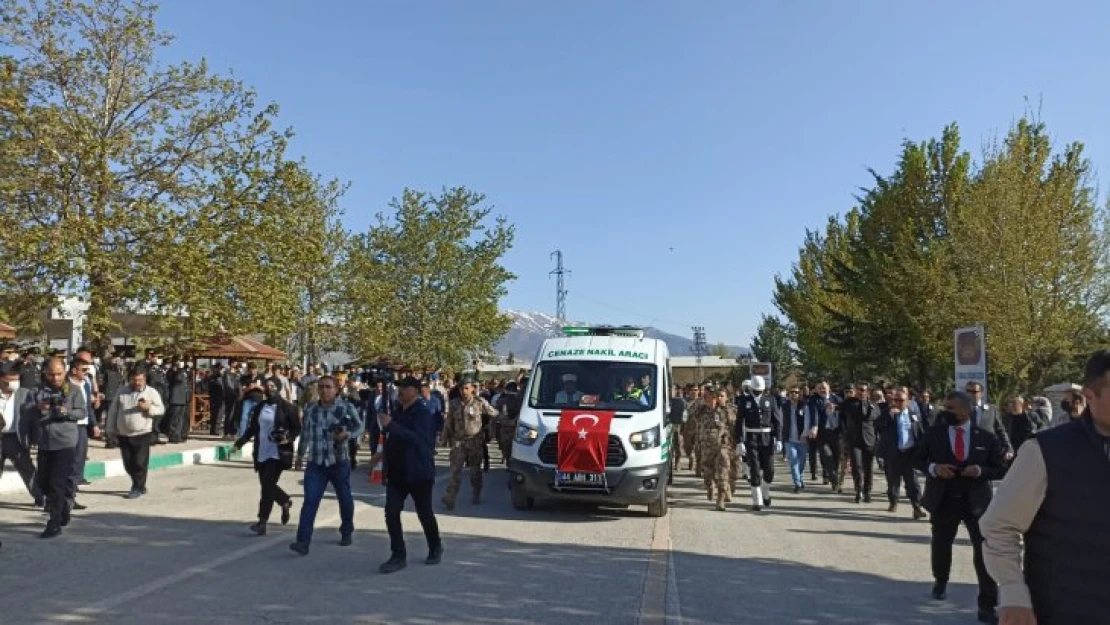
(961, 446)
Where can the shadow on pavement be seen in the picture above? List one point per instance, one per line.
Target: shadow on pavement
(233, 577)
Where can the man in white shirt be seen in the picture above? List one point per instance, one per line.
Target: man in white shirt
(570, 393)
(86, 426)
(15, 439)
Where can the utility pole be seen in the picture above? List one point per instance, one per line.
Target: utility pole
(700, 349)
(560, 286)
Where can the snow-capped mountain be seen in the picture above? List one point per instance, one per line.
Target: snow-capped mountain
(529, 329)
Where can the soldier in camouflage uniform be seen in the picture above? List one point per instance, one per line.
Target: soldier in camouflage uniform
(716, 423)
(688, 433)
(464, 434)
(508, 409)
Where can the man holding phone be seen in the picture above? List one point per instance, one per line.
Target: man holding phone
(131, 420)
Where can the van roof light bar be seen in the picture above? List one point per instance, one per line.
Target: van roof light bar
(629, 331)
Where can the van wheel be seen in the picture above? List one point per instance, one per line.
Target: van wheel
(658, 508)
(520, 501)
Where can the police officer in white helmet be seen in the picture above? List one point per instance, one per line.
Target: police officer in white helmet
(758, 431)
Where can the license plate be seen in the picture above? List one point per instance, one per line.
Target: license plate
(592, 479)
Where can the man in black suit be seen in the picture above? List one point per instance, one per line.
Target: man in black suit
(902, 428)
(985, 416)
(959, 461)
(859, 416)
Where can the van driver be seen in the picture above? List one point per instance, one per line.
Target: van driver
(570, 393)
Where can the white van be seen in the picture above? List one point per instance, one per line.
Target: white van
(611, 369)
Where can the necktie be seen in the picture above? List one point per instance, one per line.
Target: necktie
(961, 452)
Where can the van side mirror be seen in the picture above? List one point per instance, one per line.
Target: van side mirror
(677, 414)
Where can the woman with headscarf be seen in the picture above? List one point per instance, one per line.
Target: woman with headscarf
(274, 426)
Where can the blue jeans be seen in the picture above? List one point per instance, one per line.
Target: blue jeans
(796, 454)
(316, 480)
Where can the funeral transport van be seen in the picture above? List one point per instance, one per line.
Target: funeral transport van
(595, 422)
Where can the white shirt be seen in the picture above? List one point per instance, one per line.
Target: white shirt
(267, 449)
(7, 408)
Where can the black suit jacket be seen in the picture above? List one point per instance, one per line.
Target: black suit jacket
(859, 418)
(983, 451)
(989, 420)
(888, 426)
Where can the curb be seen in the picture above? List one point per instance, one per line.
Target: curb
(11, 483)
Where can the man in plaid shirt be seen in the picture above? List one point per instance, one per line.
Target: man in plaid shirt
(324, 433)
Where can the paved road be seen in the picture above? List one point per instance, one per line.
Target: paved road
(183, 555)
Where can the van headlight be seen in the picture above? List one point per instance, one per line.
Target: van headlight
(526, 434)
(645, 440)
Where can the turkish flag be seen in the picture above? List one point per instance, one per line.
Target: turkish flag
(583, 440)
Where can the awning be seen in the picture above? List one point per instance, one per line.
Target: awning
(236, 347)
(6, 331)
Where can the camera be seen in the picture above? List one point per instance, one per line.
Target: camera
(55, 401)
(279, 436)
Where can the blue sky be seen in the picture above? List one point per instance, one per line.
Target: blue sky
(615, 130)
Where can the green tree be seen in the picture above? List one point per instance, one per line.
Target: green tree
(114, 165)
(720, 350)
(771, 343)
(426, 280)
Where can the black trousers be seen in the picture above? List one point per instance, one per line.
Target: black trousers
(863, 463)
(946, 522)
(352, 450)
(269, 472)
(396, 492)
(176, 424)
(231, 419)
(899, 468)
(135, 451)
(55, 477)
(761, 464)
(812, 450)
(830, 454)
(12, 449)
(216, 416)
(80, 455)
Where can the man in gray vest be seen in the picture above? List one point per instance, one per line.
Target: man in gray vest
(1054, 497)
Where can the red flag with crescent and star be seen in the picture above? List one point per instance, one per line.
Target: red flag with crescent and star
(583, 440)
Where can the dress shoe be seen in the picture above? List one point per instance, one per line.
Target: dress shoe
(892, 508)
(84, 482)
(988, 615)
(940, 591)
(134, 493)
(434, 556)
(797, 489)
(767, 501)
(918, 513)
(77, 506)
(285, 512)
(51, 531)
(858, 497)
(40, 502)
(392, 565)
(867, 498)
(259, 528)
(345, 540)
(299, 547)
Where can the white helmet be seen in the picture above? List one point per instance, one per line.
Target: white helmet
(758, 383)
(746, 384)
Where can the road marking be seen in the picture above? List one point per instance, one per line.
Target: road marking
(659, 601)
(90, 612)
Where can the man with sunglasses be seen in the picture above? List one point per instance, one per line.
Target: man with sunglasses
(859, 416)
(902, 428)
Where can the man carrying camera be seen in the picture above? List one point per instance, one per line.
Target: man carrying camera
(56, 408)
(324, 433)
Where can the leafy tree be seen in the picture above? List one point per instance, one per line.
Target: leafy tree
(426, 280)
(720, 350)
(771, 343)
(115, 168)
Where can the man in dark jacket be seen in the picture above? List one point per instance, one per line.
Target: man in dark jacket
(858, 415)
(177, 404)
(56, 407)
(409, 454)
(16, 433)
(985, 416)
(902, 429)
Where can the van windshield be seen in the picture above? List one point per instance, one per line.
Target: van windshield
(624, 386)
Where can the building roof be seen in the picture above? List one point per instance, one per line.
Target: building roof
(7, 331)
(242, 347)
(708, 362)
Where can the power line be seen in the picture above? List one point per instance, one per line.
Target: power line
(699, 348)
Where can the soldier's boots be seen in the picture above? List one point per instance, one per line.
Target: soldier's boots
(722, 496)
(709, 492)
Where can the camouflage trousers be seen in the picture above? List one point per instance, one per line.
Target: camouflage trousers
(467, 451)
(718, 468)
(690, 443)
